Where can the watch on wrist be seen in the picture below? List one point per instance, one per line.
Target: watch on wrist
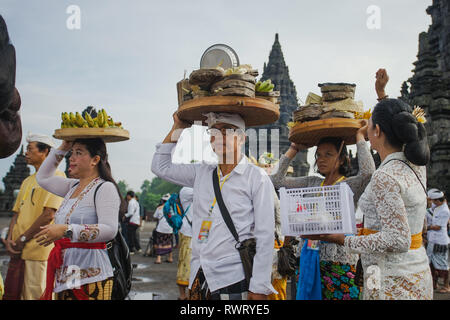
(23, 239)
(68, 233)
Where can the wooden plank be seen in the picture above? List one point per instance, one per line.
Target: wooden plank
(310, 133)
(107, 134)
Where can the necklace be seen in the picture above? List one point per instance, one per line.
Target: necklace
(337, 181)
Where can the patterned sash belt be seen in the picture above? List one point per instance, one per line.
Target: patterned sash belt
(55, 260)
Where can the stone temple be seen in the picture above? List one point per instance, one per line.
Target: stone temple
(429, 88)
(277, 70)
(12, 181)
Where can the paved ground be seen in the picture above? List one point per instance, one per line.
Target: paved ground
(150, 281)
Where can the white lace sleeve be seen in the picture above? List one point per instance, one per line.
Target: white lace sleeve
(394, 235)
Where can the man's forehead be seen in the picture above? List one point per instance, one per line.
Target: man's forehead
(31, 144)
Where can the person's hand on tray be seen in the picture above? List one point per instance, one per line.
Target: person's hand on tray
(361, 134)
(65, 145)
(294, 149)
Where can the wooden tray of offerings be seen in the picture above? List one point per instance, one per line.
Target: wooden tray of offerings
(309, 133)
(254, 111)
(107, 134)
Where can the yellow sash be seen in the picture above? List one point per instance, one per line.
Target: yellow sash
(416, 239)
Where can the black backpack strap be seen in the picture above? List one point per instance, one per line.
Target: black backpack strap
(95, 193)
(223, 209)
(424, 189)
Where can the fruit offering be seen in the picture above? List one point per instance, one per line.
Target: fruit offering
(265, 86)
(76, 120)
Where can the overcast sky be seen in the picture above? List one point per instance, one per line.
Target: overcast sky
(128, 56)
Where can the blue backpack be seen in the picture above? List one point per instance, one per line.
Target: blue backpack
(174, 213)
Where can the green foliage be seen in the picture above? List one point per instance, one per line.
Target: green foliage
(123, 187)
(161, 187)
(151, 191)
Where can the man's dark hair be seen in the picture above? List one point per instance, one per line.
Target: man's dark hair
(43, 147)
(130, 193)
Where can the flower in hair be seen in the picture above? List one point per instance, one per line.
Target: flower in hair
(363, 115)
(419, 114)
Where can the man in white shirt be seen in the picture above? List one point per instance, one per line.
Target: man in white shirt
(133, 213)
(438, 240)
(248, 195)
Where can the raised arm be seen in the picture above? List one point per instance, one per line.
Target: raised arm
(279, 178)
(366, 165)
(380, 84)
(162, 165)
(46, 174)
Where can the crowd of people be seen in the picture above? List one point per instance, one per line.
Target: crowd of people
(229, 236)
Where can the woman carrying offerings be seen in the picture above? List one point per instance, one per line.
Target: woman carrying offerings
(337, 265)
(79, 267)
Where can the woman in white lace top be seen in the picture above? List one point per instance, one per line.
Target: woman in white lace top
(83, 224)
(394, 204)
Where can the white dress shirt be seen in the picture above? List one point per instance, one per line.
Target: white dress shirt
(440, 218)
(186, 199)
(248, 195)
(133, 211)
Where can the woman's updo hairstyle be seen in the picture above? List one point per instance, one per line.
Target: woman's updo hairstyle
(402, 129)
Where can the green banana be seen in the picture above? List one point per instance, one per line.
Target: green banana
(263, 87)
(89, 120)
(105, 117)
(266, 86)
(79, 119)
(76, 120)
(100, 119)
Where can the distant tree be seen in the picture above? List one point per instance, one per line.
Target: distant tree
(151, 192)
(160, 186)
(123, 187)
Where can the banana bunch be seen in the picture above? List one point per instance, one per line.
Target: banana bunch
(266, 86)
(76, 120)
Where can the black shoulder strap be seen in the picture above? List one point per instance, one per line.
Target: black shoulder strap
(223, 209)
(424, 189)
(95, 193)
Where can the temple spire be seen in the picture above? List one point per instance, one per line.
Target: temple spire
(277, 71)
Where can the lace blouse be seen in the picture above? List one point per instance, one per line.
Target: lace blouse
(330, 251)
(90, 223)
(394, 204)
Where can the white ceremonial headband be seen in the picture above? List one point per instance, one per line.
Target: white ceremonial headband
(33, 137)
(229, 118)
